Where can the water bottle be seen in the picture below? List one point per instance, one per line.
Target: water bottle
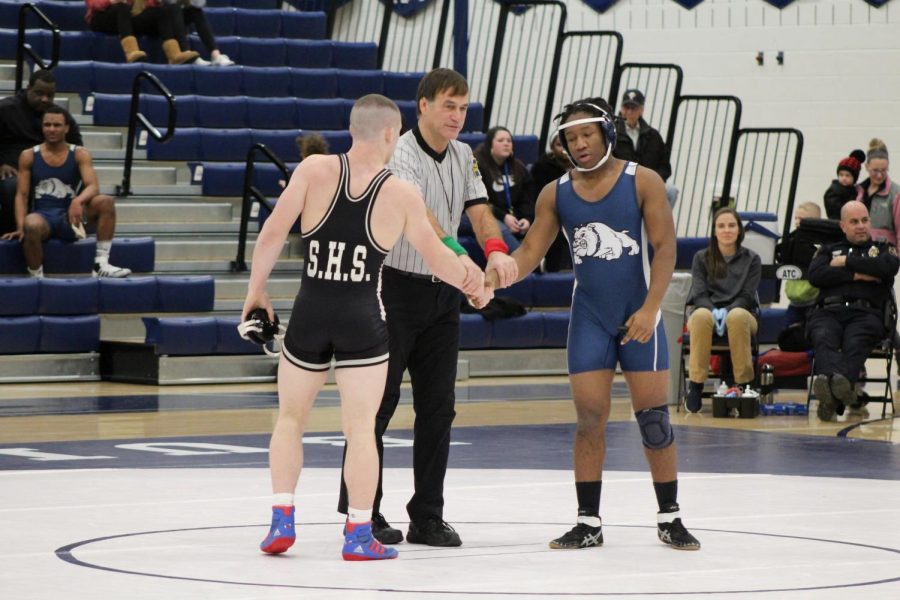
(767, 381)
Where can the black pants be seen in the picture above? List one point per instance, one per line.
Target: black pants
(196, 17)
(423, 327)
(843, 337)
(163, 21)
(8, 204)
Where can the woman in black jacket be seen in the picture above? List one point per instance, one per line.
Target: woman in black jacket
(510, 187)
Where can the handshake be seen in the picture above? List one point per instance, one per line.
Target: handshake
(501, 271)
(719, 315)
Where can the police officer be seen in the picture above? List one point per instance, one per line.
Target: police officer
(855, 277)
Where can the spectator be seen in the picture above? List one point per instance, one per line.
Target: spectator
(548, 168)
(192, 13)
(312, 143)
(725, 279)
(855, 277)
(128, 18)
(880, 195)
(20, 128)
(510, 187)
(54, 170)
(638, 142)
(800, 292)
(844, 188)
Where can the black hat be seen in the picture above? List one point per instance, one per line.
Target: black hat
(633, 97)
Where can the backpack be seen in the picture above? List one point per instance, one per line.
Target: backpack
(801, 244)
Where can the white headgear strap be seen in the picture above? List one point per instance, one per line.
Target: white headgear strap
(599, 119)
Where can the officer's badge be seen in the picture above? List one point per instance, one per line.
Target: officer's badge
(873, 251)
(475, 167)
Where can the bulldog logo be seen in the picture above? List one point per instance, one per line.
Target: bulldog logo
(53, 187)
(599, 241)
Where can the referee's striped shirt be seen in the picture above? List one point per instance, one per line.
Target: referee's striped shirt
(449, 182)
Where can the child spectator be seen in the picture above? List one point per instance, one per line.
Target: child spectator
(801, 294)
(844, 188)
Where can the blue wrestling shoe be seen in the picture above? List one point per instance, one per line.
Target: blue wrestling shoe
(281, 534)
(360, 544)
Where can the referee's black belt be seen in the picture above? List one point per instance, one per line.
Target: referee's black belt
(833, 301)
(417, 277)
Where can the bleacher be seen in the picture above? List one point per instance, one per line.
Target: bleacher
(290, 79)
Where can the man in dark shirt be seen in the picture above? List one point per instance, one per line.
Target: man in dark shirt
(855, 277)
(20, 128)
(638, 142)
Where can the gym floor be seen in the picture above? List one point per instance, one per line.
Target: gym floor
(162, 492)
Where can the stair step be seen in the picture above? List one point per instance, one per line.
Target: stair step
(216, 267)
(180, 189)
(173, 212)
(140, 228)
(203, 250)
(108, 174)
(104, 140)
(281, 305)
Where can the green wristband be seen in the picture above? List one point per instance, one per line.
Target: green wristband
(451, 243)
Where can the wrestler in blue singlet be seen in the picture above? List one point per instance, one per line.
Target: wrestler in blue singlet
(612, 275)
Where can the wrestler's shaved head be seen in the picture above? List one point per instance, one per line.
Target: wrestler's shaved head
(371, 115)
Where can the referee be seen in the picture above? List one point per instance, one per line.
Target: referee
(422, 311)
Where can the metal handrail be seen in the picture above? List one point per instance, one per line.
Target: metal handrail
(505, 8)
(134, 116)
(557, 60)
(251, 193)
(22, 47)
(679, 79)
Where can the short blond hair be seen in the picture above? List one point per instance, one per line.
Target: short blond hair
(812, 209)
(371, 115)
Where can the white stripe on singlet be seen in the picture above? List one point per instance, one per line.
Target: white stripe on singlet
(446, 187)
(340, 186)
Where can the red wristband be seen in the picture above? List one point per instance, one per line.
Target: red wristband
(495, 245)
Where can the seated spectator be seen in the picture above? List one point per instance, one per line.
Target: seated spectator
(638, 142)
(800, 292)
(725, 279)
(192, 13)
(54, 170)
(20, 128)
(844, 189)
(128, 18)
(855, 277)
(548, 168)
(510, 188)
(880, 195)
(312, 143)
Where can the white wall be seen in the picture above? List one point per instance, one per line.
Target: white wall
(840, 82)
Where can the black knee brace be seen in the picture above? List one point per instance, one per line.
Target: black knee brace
(656, 430)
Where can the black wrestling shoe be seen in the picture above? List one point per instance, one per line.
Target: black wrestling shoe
(580, 536)
(822, 391)
(432, 531)
(672, 532)
(383, 531)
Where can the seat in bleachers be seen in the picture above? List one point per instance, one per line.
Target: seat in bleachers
(273, 113)
(221, 112)
(309, 54)
(20, 335)
(137, 254)
(182, 336)
(401, 86)
(19, 296)
(321, 114)
(260, 52)
(267, 82)
(79, 296)
(355, 84)
(179, 79)
(70, 334)
(304, 25)
(225, 144)
(214, 82)
(312, 83)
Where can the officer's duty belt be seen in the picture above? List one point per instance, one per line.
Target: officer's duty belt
(851, 302)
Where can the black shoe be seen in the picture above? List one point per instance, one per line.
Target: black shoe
(580, 536)
(432, 531)
(842, 390)
(674, 534)
(383, 531)
(822, 392)
(693, 402)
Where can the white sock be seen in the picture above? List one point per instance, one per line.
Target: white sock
(286, 499)
(39, 272)
(592, 521)
(103, 252)
(358, 515)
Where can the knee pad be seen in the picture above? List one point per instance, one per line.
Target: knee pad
(656, 430)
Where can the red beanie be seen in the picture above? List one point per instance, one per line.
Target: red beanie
(851, 165)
